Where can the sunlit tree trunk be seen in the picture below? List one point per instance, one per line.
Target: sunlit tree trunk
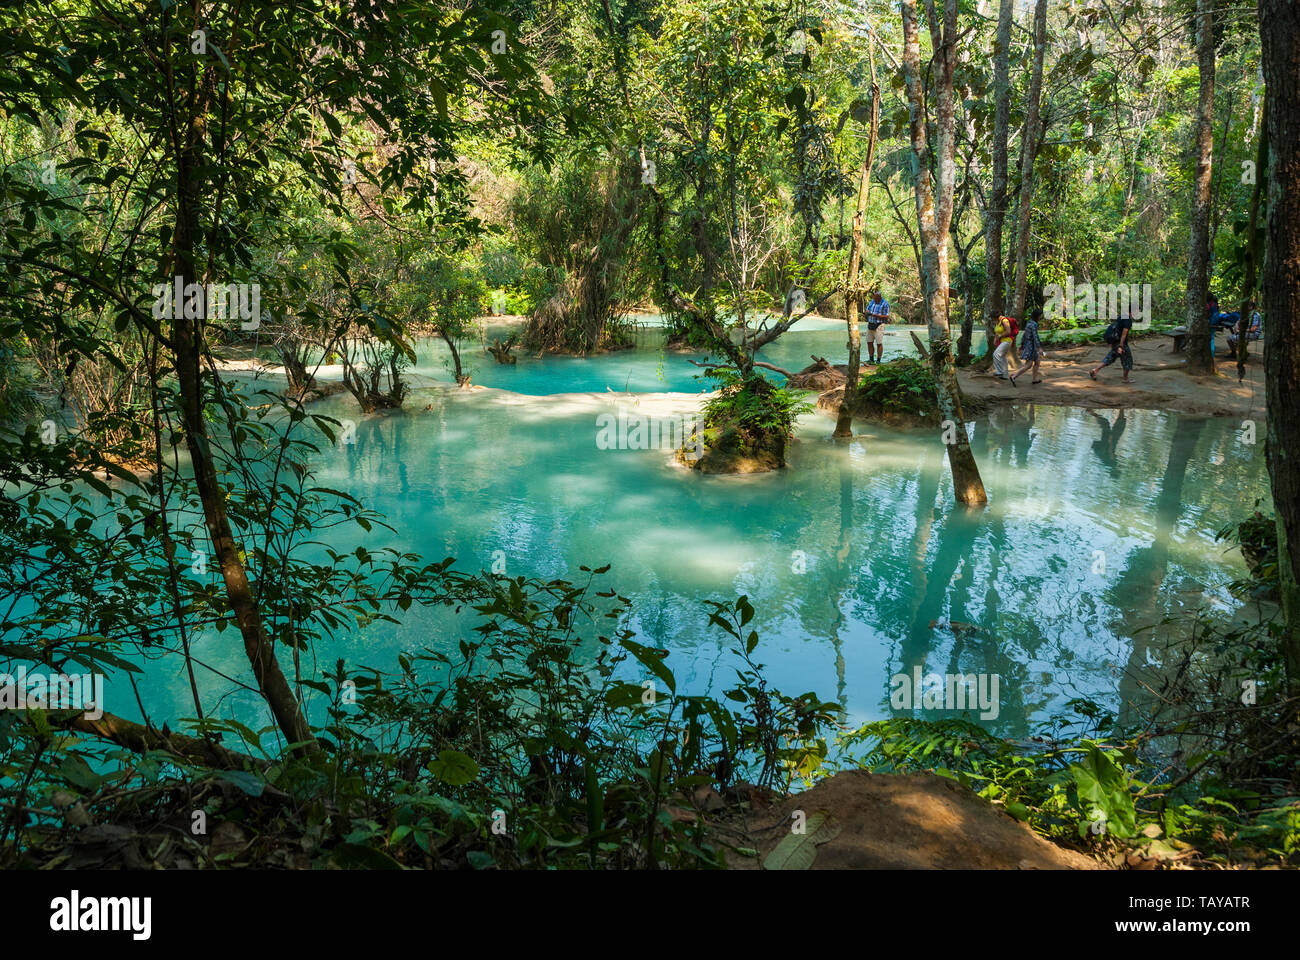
(1028, 149)
(1199, 359)
(1279, 25)
(934, 217)
(994, 283)
(853, 305)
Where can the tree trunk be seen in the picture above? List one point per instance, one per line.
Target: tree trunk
(997, 210)
(1252, 253)
(187, 337)
(967, 309)
(963, 264)
(853, 297)
(934, 217)
(1279, 23)
(296, 374)
(1028, 149)
(1199, 358)
(461, 379)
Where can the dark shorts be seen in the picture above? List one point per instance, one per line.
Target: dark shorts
(1125, 357)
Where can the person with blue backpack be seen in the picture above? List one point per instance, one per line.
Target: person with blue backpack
(1117, 335)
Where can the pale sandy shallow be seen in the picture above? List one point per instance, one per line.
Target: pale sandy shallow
(1160, 383)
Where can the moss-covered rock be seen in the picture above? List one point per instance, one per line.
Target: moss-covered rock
(899, 394)
(731, 451)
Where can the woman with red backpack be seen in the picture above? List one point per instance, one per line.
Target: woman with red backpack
(1006, 332)
(1031, 351)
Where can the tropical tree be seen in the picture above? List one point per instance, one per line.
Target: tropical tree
(934, 205)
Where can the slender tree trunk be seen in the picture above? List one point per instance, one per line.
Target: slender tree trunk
(1252, 253)
(853, 302)
(1028, 149)
(967, 304)
(1279, 27)
(1219, 174)
(967, 308)
(1199, 358)
(455, 358)
(934, 217)
(994, 283)
(187, 337)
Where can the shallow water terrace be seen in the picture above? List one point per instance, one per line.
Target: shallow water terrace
(649, 367)
(1100, 526)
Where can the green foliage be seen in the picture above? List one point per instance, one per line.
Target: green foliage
(16, 395)
(552, 739)
(755, 407)
(905, 384)
(1084, 790)
(1257, 538)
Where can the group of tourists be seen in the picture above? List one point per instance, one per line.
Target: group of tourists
(1031, 347)
(1008, 331)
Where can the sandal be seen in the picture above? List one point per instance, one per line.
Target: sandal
(1035, 381)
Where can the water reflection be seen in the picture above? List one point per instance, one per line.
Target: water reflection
(1112, 428)
(856, 560)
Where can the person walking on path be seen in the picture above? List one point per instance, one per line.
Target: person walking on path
(1119, 348)
(877, 317)
(1006, 334)
(1031, 349)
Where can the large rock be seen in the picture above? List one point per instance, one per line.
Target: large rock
(728, 453)
(917, 821)
(874, 412)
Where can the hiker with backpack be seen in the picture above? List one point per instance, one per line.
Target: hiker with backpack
(1031, 349)
(1117, 336)
(877, 317)
(1006, 333)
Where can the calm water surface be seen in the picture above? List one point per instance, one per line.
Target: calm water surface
(1100, 526)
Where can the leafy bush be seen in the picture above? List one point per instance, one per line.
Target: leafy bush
(755, 407)
(1257, 538)
(904, 384)
(553, 739)
(1089, 790)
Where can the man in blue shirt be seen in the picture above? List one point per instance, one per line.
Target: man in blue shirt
(877, 317)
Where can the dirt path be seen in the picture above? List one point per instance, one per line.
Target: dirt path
(1159, 382)
(918, 821)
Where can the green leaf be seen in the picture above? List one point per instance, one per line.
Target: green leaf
(439, 97)
(250, 783)
(652, 661)
(454, 768)
(480, 860)
(1103, 787)
(798, 850)
(359, 856)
